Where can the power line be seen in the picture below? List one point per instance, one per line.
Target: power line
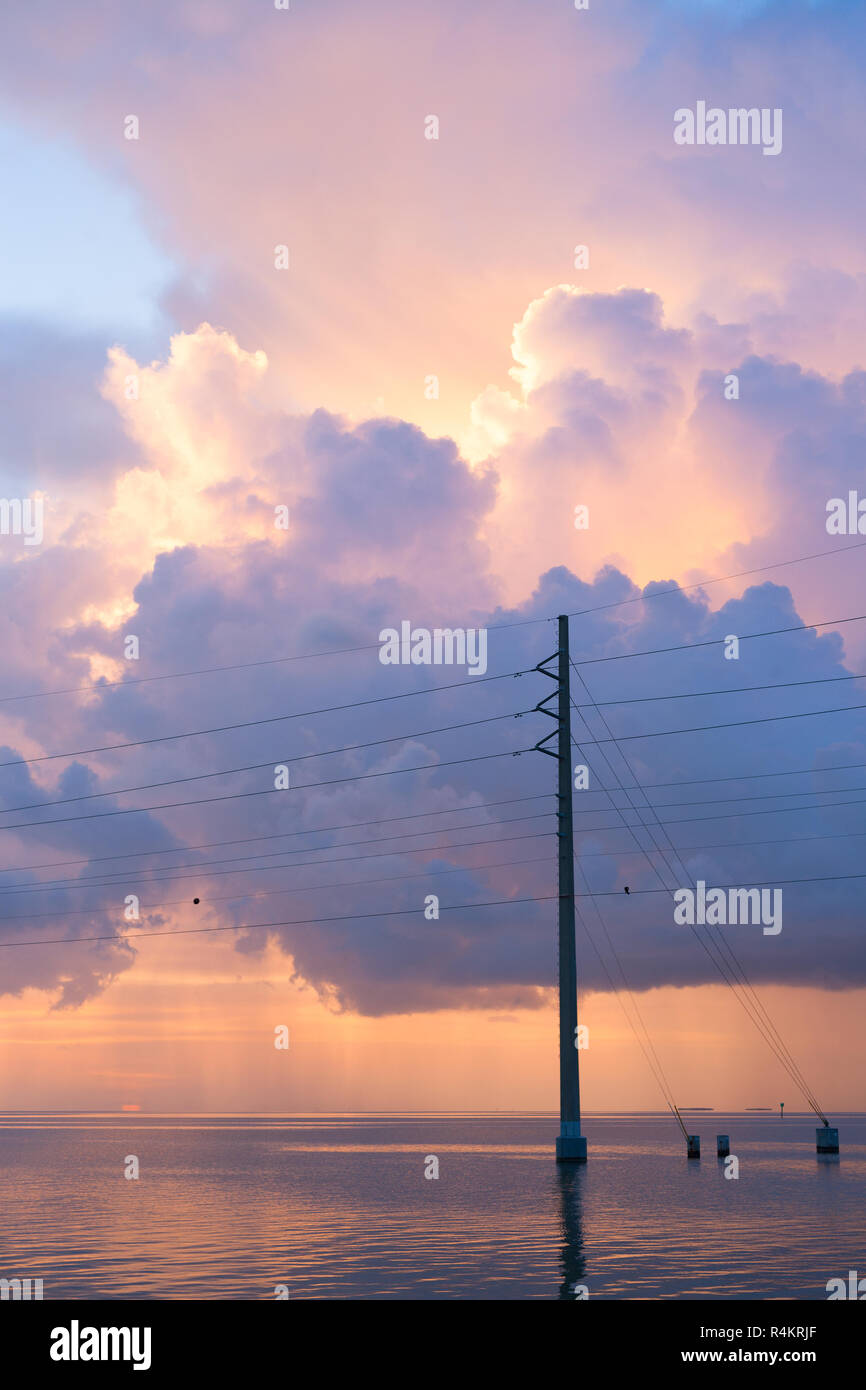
(706, 945)
(503, 902)
(424, 733)
(179, 675)
(653, 1060)
(767, 796)
(757, 883)
(732, 815)
(267, 791)
(723, 844)
(717, 641)
(373, 646)
(281, 835)
(751, 776)
(696, 694)
(608, 793)
(277, 892)
(731, 724)
(352, 916)
(776, 811)
(257, 767)
(211, 869)
(720, 579)
(273, 719)
(205, 871)
(605, 893)
(257, 926)
(716, 952)
(97, 880)
(761, 1017)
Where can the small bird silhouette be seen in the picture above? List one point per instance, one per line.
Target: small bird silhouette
(625, 890)
(196, 900)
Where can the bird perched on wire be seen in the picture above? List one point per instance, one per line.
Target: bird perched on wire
(625, 890)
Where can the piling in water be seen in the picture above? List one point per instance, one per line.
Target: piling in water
(723, 1145)
(694, 1145)
(827, 1140)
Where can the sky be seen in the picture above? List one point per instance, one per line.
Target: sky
(283, 294)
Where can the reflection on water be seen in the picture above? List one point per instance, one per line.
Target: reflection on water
(569, 1179)
(338, 1206)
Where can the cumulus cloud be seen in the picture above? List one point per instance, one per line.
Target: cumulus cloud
(411, 258)
(390, 525)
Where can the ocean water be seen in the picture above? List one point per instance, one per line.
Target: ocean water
(338, 1206)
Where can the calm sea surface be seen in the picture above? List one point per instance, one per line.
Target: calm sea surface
(337, 1206)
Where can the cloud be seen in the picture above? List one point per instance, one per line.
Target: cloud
(305, 389)
(410, 256)
(388, 524)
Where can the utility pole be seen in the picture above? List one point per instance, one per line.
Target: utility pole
(570, 1145)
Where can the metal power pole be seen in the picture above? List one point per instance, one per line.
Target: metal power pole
(570, 1145)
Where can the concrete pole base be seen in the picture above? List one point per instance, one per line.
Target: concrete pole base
(827, 1140)
(570, 1149)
